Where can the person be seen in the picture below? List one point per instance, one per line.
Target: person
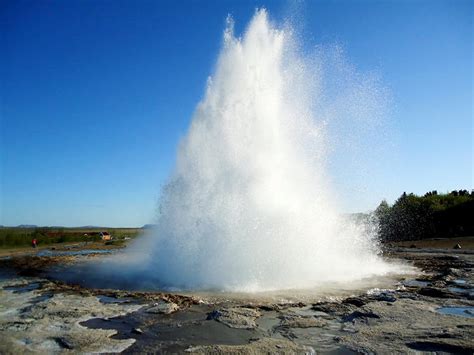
(34, 242)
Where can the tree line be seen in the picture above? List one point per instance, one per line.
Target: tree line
(432, 215)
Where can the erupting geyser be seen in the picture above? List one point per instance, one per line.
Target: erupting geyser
(249, 206)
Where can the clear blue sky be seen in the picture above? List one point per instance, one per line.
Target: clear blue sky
(96, 94)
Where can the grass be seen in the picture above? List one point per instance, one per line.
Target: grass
(22, 237)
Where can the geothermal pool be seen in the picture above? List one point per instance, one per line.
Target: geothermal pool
(83, 272)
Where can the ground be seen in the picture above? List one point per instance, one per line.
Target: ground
(430, 311)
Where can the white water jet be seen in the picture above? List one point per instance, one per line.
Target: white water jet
(249, 205)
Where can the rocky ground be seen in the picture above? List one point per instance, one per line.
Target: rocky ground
(432, 311)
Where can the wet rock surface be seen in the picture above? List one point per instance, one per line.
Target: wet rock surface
(163, 308)
(432, 311)
(236, 317)
(260, 346)
(38, 321)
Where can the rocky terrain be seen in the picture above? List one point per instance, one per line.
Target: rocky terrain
(432, 311)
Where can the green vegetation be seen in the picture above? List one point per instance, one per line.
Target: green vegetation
(14, 237)
(411, 217)
(433, 215)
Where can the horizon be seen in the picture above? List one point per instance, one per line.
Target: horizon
(148, 225)
(92, 115)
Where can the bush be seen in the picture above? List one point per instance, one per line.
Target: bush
(415, 217)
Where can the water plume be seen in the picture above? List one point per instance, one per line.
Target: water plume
(249, 205)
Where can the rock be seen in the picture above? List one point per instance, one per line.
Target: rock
(334, 308)
(261, 346)
(413, 246)
(53, 324)
(350, 328)
(302, 322)
(163, 308)
(236, 317)
(407, 321)
(359, 315)
(453, 272)
(448, 257)
(64, 343)
(385, 297)
(356, 301)
(213, 315)
(457, 246)
(268, 308)
(137, 331)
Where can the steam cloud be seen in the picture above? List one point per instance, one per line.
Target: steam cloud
(249, 205)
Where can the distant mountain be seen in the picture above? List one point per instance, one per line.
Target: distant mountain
(149, 226)
(27, 226)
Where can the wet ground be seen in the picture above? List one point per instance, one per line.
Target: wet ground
(430, 311)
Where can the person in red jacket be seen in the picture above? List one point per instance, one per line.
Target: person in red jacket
(34, 242)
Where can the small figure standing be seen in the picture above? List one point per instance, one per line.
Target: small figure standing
(34, 242)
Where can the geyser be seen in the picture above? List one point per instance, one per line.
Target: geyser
(249, 205)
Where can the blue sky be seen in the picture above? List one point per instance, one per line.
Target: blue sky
(95, 96)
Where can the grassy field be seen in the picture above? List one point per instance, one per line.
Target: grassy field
(22, 237)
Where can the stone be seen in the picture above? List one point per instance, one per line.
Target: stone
(356, 301)
(358, 315)
(385, 297)
(213, 315)
(163, 308)
(64, 343)
(261, 346)
(236, 317)
(334, 308)
(303, 322)
(53, 324)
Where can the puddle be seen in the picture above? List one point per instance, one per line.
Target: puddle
(175, 332)
(48, 252)
(6, 274)
(86, 276)
(457, 311)
(108, 299)
(321, 338)
(462, 291)
(459, 289)
(432, 347)
(268, 322)
(23, 288)
(460, 282)
(41, 298)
